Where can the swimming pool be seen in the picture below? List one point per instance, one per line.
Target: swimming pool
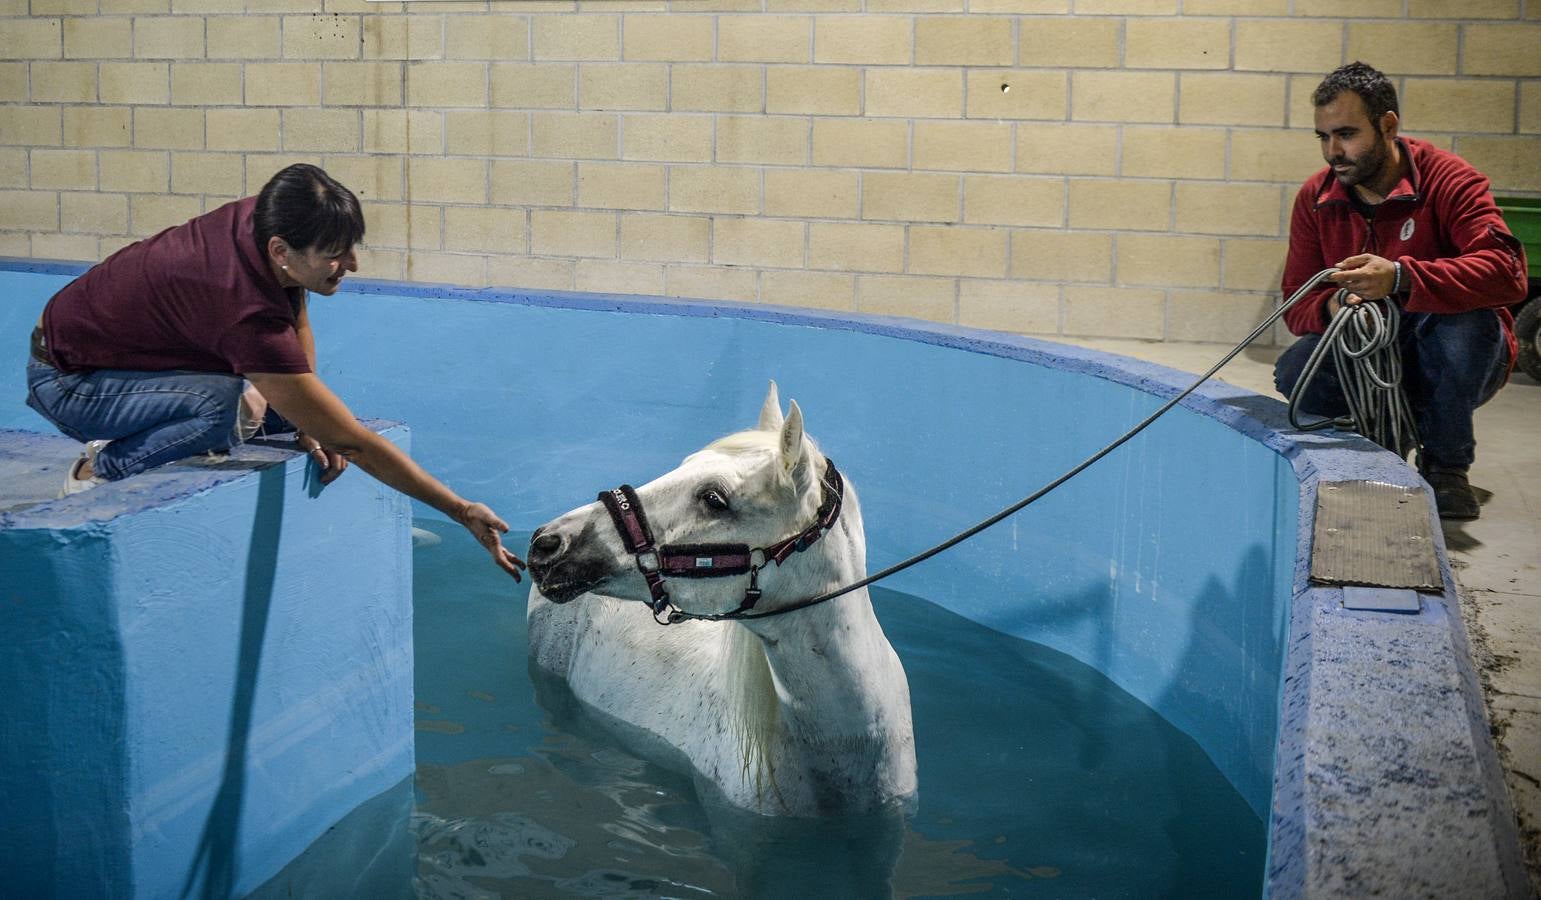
(1176, 567)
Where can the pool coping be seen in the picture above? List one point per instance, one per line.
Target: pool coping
(1385, 680)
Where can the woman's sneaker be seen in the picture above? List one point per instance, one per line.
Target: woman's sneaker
(74, 484)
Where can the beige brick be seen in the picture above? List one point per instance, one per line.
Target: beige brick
(668, 38)
(1254, 265)
(135, 83)
(19, 244)
(1467, 9)
(1177, 44)
(812, 194)
(13, 167)
(667, 138)
(91, 126)
(363, 84)
(776, 243)
(427, 267)
(1123, 96)
(1229, 209)
(1119, 205)
(1114, 312)
(1513, 164)
(168, 38)
(1013, 200)
(914, 6)
(1362, 9)
(135, 171)
(621, 186)
(496, 37)
(711, 283)
(663, 238)
(1215, 316)
(1501, 50)
(60, 82)
(817, 90)
(1281, 45)
(243, 129)
(1231, 99)
(403, 131)
(261, 166)
(718, 190)
(1422, 48)
(1174, 153)
(1281, 155)
(13, 80)
(1068, 149)
(372, 178)
(1061, 255)
(867, 40)
(93, 213)
(853, 247)
(1302, 113)
(207, 173)
(610, 277)
(534, 86)
(35, 38)
(78, 247)
(484, 229)
(206, 84)
(29, 125)
(447, 180)
(107, 246)
(957, 250)
(623, 86)
(1017, 94)
(67, 170)
(29, 210)
(913, 296)
(963, 41)
(1236, 7)
(322, 36)
(1073, 42)
(405, 226)
(1020, 7)
(1009, 306)
(1530, 107)
(762, 38)
(281, 6)
(168, 128)
(914, 93)
(530, 274)
(574, 135)
(441, 84)
(910, 197)
(93, 37)
(773, 140)
(963, 146)
(571, 233)
(283, 84)
(868, 143)
(717, 88)
(1463, 105)
(1126, 7)
(486, 133)
(322, 130)
(1168, 260)
(403, 37)
(812, 290)
(243, 37)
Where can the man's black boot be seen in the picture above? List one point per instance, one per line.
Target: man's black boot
(1452, 493)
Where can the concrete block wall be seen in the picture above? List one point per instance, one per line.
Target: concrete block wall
(1113, 168)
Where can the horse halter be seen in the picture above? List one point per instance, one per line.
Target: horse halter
(657, 562)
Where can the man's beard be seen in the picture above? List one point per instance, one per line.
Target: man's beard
(1366, 168)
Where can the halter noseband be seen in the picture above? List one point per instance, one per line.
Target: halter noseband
(711, 560)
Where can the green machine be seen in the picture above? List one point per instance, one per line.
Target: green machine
(1523, 216)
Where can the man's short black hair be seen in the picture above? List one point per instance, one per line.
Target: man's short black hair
(307, 208)
(1375, 89)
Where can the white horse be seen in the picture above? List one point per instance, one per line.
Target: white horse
(801, 714)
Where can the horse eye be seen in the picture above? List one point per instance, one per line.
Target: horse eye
(714, 499)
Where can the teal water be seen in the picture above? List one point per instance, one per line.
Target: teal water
(1038, 778)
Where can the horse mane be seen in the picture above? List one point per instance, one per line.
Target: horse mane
(754, 709)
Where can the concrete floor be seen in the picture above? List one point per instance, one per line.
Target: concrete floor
(1496, 559)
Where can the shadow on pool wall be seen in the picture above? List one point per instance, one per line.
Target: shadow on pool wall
(1176, 566)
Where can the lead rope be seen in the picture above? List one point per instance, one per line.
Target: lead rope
(964, 535)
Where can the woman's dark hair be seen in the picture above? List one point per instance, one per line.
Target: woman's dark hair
(1376, 90)
(307, 208)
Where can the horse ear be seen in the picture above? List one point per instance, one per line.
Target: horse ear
(793, 454)
(770, 411)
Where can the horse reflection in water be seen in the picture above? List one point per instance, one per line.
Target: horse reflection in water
(796, 716)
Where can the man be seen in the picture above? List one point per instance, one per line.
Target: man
(179, 344)
(1404, 219)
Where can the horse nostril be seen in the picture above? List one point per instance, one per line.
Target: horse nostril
(545, 546)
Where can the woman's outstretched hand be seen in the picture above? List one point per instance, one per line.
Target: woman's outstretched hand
(488, 530)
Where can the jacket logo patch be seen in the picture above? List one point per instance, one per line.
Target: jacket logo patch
(1407, 229)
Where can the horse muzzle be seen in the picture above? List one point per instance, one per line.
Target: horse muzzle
(562, 567)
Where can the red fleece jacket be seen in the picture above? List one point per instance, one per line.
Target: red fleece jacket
(1439, 222)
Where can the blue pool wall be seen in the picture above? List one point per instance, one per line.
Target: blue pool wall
(1176, 566)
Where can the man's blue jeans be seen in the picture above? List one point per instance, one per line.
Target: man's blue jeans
(1451, 364)
(151, 418)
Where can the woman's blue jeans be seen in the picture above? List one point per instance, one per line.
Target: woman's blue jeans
(151, 418)
(1451, 364)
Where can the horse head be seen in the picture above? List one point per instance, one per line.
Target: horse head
(748, 490)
